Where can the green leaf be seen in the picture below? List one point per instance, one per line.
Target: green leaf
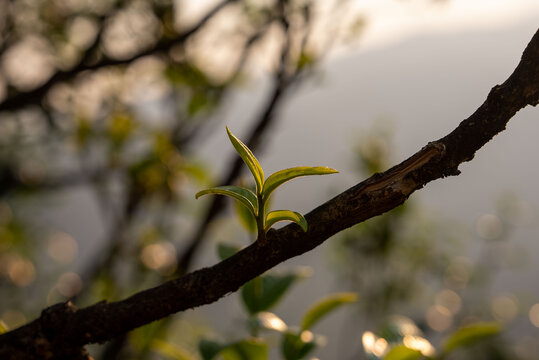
(249, 159)
(249, 349)
(225, 251)
(198, 102)
(471, 334)
(171, 351)
(209, 349)
(282, 176)
(324, 306)
(305, 59)
(245, 196)
(263, 292)
(285, 215)
(402, 352)
(121, 126)
(296, 346)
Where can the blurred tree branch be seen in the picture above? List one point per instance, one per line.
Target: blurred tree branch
(63, 330)
(35, 96)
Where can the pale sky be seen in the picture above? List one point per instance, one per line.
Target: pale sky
(391, 20)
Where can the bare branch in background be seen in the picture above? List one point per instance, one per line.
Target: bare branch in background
(35, 96)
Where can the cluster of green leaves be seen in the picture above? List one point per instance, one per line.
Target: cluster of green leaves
(256, 201)
(258, 297)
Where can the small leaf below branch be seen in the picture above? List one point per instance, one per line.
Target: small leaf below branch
(285, 215)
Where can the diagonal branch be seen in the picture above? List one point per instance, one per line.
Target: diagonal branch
(64, 329)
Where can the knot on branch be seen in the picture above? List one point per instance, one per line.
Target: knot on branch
(54, 318)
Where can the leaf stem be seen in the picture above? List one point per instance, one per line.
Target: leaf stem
(260, 219)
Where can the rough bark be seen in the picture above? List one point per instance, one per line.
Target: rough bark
(62, 330)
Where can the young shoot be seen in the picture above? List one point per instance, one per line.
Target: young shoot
(256, 201)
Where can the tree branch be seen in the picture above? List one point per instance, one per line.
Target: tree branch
(63, 330)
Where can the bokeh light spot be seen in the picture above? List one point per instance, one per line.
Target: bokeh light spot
(418, 343)
(82, 31)
(439, 318)
(62, 248)
(372, 344)
(375, 149)
(271, 321)
(160, 257)
(130, 30)
(504, 307)
(458, 273)
(20, 271)
(69, 284)
(306, 336)
(489, 226)
(28, 63)
(450, 300)
(534, 315)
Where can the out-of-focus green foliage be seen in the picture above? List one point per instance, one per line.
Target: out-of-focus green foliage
(324, 306)
(260, 295)
(471, 334)
(402, 352)
(420, 298)
(241, 350)
(263, 292)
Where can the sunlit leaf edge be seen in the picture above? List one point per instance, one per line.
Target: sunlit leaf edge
(285, 215)
(278, 178)
(245, 196)
(250, 160)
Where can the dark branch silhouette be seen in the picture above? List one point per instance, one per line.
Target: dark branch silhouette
(62, 330)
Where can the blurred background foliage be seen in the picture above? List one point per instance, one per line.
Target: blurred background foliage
(108, 100)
